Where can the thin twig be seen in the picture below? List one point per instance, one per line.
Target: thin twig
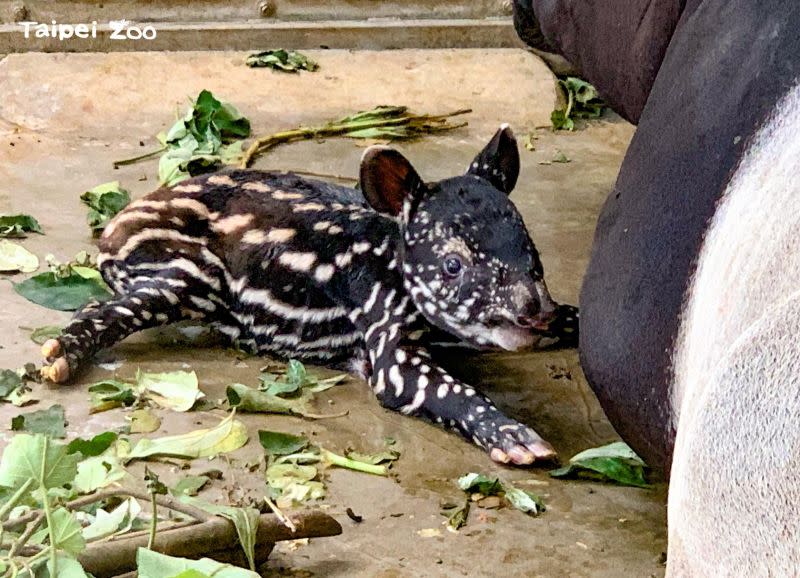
(285, 520)
(133, 160)
(314, 174)
(37, 521)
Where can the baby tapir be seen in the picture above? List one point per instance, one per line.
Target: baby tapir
(305, 269)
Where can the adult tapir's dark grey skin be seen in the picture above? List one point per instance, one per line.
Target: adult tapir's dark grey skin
(727, 65)
(305, 269)
(690, 306)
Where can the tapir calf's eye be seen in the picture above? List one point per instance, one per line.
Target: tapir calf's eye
(452, 265)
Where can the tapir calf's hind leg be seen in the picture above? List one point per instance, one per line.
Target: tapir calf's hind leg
(101, 325)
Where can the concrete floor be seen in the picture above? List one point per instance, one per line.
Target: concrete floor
(65, 118)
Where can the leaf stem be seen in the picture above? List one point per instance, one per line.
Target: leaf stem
(133, 160)
(48, 514)
(343, 462)
(13, 500)
(153, 522)
(340, 128)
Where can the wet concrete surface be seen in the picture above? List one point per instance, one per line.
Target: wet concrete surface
(65, 118)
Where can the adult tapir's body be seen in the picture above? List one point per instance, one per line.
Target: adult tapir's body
(689, 308)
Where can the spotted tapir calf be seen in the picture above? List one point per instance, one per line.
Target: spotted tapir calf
(690, 309)
(305, 269)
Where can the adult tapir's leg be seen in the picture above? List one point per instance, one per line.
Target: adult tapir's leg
(616, 44)
(729, 62)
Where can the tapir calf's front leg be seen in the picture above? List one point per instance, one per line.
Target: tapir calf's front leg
(404, 379)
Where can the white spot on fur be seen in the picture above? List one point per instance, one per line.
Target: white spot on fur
(232, 224)
(297, 261)
(222, 180)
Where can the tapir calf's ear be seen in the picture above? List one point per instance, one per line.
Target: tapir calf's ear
(387, 178)
(498, 162)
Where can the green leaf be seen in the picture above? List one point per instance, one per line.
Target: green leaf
(9, 381)
(104, 201)
(197, 143)
(62, 293)
(67, 532)
(246, 521)
(42, 334)
(175, 390)
(583, 101)
(66, 567)
(108, 394)
(15, 257)
(523, 500)
(251, 400)
(376, 458)
(154, 565)
(228, 435)
(615, 462)
(280, 444)
(98, 472)
(189, 486)
(18, 225)
(93, 447)
(560, 157)
(50, 421)
(284, 60)
(480, 483)
(37, 457)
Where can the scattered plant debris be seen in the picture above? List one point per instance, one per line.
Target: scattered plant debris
(583, 101)
(104, 201)
(382, 122)
(615, 462)
(175, 390)
(457, 515)
(481, 485)
(353, 516)
(155, 565)
(17, 225)
(93, 447)
(42, 334)
(14, 257)
(280, 59)
(207, 136)
(143, 421)
(189, 486)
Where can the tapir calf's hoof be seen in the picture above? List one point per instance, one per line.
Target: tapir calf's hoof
(58, 370)
(520, 445)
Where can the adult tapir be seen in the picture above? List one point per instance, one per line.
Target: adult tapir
(690, 321)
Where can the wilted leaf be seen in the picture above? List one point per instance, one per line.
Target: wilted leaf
(110, 393)
(93, 447)
(104, 201)
(285, 60)
(151, 564)
(457, 518)
(227, 436)
(63, 293)
(143, 421)
(42, 334)
(245, 520)
(18, 225)
(560, 157)
(9, 381)
(615, 462)
(251, 400)
(280, 444)
(523, 500)
(189, 486)
(480, 483)
(175, 390)
(15, 257)
(50, 421)
(376, 458)
(118, 520)
(22, 396)
(37, 457)
(66, 567)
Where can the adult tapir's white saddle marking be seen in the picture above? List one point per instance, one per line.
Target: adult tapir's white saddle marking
(734, 502)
